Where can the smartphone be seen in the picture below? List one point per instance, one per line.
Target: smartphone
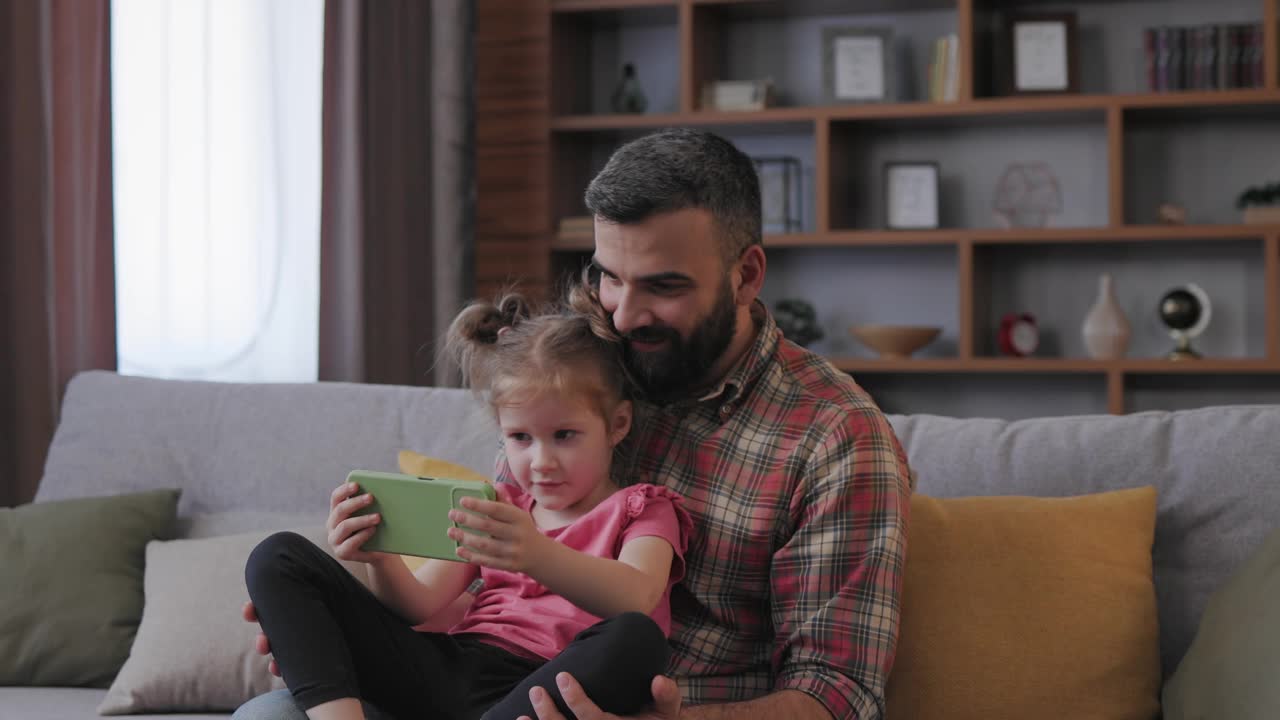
(415, 511)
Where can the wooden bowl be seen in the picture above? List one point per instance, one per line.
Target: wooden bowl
(895, 342)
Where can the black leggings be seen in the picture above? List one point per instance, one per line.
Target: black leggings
(334, 639)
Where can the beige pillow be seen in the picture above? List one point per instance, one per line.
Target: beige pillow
(193, 651)
(1023, 607)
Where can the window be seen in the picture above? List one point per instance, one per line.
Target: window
(216, 108)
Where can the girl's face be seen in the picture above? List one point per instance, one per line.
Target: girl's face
(559, 447)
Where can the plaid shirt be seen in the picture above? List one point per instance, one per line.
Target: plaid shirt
(799, 492)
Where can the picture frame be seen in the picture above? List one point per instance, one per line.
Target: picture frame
(1041, 51)
(911, 200)
(781, 192)
(858, 64)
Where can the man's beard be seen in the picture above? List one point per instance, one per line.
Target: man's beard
(664, 374)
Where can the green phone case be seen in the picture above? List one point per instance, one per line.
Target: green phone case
(415, 511)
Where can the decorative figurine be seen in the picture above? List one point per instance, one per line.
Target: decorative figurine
(1185, 311)
(1172, 214)
(798, 321)
(1027, 195)
(627, 96)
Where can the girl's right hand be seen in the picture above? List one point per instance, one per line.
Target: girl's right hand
(348, 533)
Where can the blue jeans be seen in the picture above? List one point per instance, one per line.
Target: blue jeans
(280, 705)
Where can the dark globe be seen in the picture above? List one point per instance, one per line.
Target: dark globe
(1180, 309)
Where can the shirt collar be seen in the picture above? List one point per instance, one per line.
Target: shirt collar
(752, 364)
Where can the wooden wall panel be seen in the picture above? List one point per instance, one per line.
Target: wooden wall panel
(513, 224)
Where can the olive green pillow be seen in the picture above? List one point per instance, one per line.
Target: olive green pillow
(1232, 668)
(71, 585)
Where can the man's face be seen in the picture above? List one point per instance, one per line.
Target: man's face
(665, 286)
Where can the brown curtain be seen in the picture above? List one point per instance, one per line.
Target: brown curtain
(57, 280)
(394, 197)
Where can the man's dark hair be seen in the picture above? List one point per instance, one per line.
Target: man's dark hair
(679, 169)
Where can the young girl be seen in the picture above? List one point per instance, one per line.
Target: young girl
(576, 571)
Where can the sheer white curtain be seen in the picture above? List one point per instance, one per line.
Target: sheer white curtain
(216, 156)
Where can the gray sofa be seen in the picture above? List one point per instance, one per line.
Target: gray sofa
(263, 456)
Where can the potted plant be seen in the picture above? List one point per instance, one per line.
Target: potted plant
(1261, 204)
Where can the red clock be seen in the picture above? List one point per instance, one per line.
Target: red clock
(1019, 335)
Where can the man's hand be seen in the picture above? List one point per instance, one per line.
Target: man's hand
(261, 643)
(666, 700)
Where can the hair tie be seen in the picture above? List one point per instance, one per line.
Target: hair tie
(503, 329)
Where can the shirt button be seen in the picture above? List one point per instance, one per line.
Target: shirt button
(726, 409)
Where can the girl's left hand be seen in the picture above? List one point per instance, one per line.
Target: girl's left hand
(514, 542)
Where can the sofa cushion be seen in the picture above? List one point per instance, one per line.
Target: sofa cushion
(193, 651)
(40, 703)
(1020, 607)
(71, 585)
(1214, 470)
(1231, 670)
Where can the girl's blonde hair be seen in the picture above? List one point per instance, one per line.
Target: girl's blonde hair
(506, 350)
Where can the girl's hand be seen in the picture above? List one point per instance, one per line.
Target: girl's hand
(347, 533)
(514, 542)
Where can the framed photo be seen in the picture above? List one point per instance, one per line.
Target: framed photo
(1042, 52)
(857, 64)
(911, 195)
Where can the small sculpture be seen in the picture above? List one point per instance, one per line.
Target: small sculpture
(798, 321)
(1185, 311)
(1027, 195)
(627, 96)
(1172, 214)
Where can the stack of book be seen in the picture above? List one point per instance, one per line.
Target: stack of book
(576, 231)
(944, 69)
(1203, 57)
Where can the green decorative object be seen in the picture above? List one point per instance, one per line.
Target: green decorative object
(798, 321)
(1259, 195)
(627, 96)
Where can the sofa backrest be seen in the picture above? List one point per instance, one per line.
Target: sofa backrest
(251, 447)
(1216, 472)
(280, 448)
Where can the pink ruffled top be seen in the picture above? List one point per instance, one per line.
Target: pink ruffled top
(515, 612)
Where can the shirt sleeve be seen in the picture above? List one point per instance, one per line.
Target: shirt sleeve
(837, 580)
(654, 511)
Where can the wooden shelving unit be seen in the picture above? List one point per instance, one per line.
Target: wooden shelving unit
(567, 151)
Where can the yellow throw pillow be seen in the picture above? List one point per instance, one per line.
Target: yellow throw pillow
(1022, 607)
(412, 463)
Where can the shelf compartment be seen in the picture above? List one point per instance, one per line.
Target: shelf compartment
(1111, 56)
(783, 41)
(971, 163)
(1203, 167)
(577, 158)
(913, 286)
(1058, 284)
(590, 43)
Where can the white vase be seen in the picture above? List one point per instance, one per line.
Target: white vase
(1106, 329)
